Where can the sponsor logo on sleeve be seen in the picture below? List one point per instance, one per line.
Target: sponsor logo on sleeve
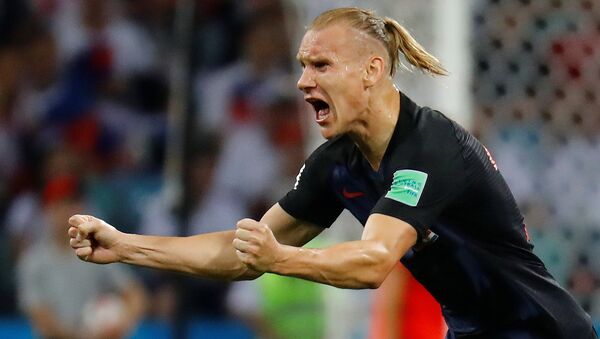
(407, 186)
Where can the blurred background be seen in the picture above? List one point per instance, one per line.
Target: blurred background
(176, 117)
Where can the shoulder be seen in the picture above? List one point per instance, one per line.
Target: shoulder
(332, 150)
(431, 151)
(426, 138)
(317, 168)
(421, 123)
(441, 140)
(421, 129)
(433, 125)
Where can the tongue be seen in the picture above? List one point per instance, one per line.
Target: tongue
(322, 114)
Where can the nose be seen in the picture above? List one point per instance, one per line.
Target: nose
(306, 80)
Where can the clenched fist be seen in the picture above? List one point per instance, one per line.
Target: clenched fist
(93, 239)
(256, 245)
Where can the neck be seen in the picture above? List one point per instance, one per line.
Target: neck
(378, 124)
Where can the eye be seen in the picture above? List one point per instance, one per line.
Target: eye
(320, 65)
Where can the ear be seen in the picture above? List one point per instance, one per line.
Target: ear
(374, 70)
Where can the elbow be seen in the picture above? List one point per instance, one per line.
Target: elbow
(378, 270)
(248, 274)
(373, 285)
(381, 275)
(376, 279)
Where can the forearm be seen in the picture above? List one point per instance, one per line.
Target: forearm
(208, 255)
(355, 264)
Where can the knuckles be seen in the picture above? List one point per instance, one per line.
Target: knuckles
(245, 247)
(245, 221)
(252, 224)
(237, 243)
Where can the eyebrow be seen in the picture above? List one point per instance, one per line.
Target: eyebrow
(300, 60)
(312, 59)
(302, 56)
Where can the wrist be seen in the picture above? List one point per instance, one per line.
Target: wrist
(123, 246)
(286, 255)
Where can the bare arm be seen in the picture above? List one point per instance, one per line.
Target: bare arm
(209, 255)
(355, 264)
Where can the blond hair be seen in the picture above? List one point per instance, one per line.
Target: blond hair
(394, 37)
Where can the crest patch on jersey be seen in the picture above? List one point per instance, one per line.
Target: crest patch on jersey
(407, 186)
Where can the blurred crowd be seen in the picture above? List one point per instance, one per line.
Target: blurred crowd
(84, 95)
(84, 104)
(536, 89)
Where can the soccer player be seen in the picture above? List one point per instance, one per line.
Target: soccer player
(427, 192)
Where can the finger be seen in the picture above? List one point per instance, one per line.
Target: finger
(87, 228)
(241, 245)
(77, 219)
(78, 244)
(248, 224)
(78, 240)
(73, 232)
(244, 257)
(255, 227)
(245, 246)
(83, 253)
(243, 234)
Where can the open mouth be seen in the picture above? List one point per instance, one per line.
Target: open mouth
(321, 108)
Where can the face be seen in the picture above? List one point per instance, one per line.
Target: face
(332, 77)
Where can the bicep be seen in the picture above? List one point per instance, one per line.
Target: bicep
(289, 230)
(395, 235)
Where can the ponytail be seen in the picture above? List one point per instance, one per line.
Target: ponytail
(401, 40)
(388, 31)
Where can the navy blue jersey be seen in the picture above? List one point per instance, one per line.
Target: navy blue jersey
(473, 253)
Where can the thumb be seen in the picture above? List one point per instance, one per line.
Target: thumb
(83, 253)
(88, 227)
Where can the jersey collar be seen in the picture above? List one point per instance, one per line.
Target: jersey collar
(405, 118)
(403, 125)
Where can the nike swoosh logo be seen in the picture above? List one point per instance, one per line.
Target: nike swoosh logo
(351, 195)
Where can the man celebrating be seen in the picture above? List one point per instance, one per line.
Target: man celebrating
(427, 192)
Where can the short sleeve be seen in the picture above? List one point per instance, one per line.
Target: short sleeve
(312, 198)
(421, 189)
